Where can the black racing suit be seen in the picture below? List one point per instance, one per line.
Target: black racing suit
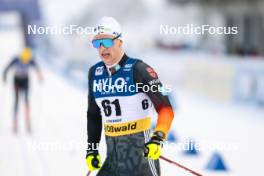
(125, 152)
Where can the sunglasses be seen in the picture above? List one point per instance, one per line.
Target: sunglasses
(106, 42)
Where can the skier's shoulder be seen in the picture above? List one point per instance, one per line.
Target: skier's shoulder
(136, 62)
(140, 65)
(15, 60)
(143, 72)
(32, 62)
(133, 60)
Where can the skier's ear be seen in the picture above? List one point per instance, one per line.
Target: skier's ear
(120, 42)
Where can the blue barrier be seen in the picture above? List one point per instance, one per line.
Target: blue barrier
(191, 148)
(216, 163)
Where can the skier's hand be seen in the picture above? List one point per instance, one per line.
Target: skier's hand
(93, 161)
(153, 147)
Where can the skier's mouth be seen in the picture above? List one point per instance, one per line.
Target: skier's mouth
(105, 54)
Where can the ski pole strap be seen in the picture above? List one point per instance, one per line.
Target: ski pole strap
(181, 166)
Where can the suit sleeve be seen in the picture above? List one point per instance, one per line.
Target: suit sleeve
(94, 118)
(13, 62)
(145, 75)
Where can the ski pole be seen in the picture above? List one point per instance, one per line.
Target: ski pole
(181, 166)
(88, 173)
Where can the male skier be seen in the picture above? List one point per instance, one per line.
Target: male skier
(21, 65)
(122, 91)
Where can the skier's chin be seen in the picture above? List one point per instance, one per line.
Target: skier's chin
(107, 59)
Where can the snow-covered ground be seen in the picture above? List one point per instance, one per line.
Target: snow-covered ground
(57, 146)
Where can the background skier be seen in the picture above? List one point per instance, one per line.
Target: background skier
(21, 66)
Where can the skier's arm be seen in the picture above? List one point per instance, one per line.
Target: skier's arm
(145, 75)
(94, 119)
(7, 68)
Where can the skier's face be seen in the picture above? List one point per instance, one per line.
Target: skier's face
(110, 55)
